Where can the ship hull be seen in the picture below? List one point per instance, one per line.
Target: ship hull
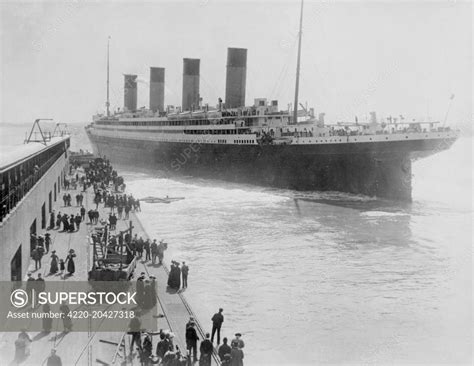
(381, 169)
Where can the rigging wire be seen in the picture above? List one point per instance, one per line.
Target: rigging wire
(277, 88)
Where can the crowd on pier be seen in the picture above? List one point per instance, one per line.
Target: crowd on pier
(167, 353)
(108, 190)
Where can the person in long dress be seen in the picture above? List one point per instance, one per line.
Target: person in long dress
(71, 267)
(170, 275)
(236, 354)
(54, 263)
(177, 281)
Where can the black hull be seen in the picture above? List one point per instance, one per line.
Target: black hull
(381, 169)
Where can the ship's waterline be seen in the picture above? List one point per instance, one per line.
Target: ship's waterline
(371, 168)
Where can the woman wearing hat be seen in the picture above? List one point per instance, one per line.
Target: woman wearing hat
(236, 354)
(71, 267)
(54, 263)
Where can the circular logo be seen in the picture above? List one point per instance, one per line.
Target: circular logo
(19, 298)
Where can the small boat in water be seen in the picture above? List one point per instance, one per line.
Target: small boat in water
(166, 199)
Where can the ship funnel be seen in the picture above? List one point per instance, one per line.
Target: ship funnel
(130, 93)
(157, 89)
(190, 83)
(236, 77)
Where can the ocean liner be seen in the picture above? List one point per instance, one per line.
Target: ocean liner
(262, 144)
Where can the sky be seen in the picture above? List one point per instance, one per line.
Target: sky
(395, 58)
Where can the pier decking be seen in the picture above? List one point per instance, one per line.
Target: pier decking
(88, 348)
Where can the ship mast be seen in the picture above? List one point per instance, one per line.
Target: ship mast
(107, 103)
(295, 106)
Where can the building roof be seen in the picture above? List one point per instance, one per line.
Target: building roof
(13, 155)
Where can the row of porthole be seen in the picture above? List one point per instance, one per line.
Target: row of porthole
(386, 138)
(243, 141)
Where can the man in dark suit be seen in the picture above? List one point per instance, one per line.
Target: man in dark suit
(217, 320)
